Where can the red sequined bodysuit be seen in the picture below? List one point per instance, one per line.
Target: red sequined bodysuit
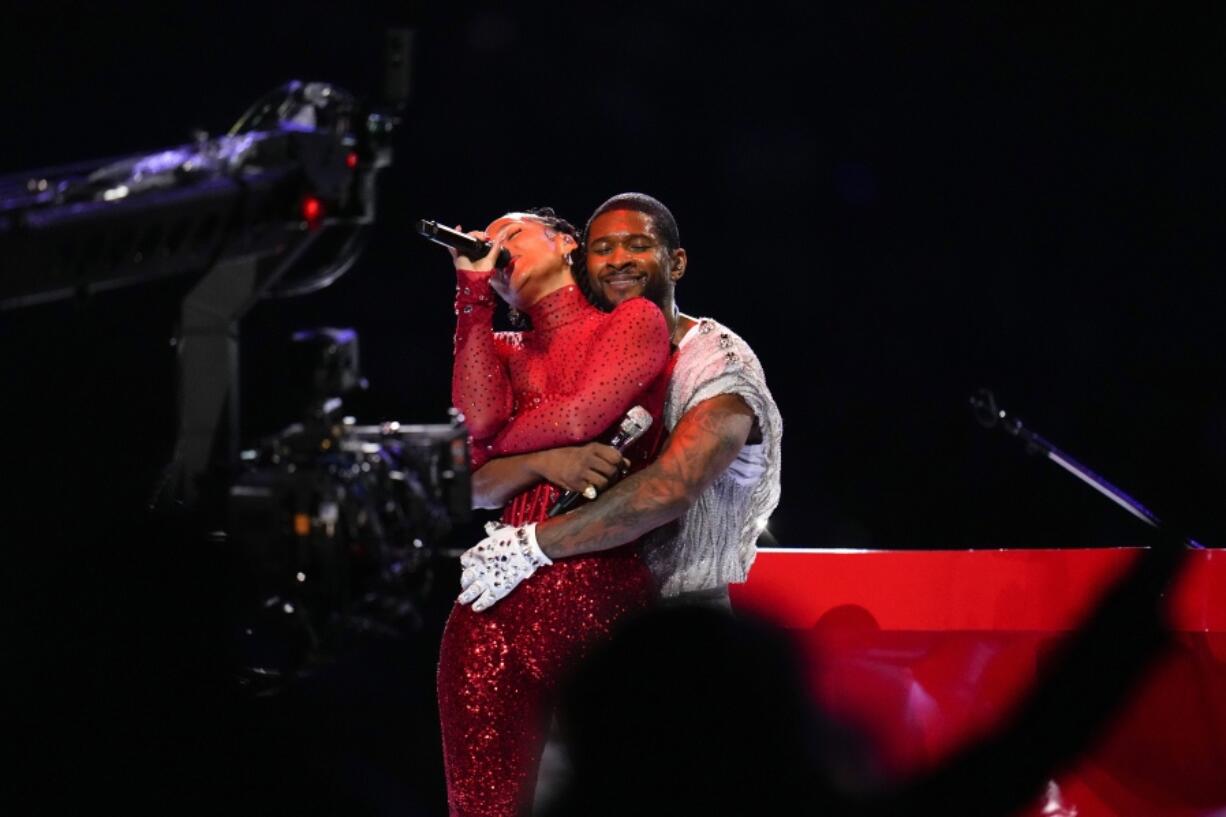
(564, 382)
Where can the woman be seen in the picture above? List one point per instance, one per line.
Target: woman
(566, 381)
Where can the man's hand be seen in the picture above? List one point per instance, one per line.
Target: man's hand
(701, 447)
(498, 563)
(576, 468)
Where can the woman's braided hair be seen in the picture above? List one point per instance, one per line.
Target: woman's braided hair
(549, 217)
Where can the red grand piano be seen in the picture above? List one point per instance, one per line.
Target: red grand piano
(924, 650)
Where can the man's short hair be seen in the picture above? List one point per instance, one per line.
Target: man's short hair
(665, 224)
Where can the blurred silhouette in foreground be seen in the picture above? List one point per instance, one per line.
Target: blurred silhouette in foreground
(693, 711)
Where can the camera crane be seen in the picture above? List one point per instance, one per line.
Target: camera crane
(280, 205)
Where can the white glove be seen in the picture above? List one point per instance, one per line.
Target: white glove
(498, 563)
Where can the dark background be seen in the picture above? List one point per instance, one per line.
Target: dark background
(894, 205)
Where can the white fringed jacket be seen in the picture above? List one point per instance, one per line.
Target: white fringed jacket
(714, 543)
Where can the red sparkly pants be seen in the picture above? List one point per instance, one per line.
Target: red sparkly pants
(499, 668)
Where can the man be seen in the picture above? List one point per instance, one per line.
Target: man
(707, 497)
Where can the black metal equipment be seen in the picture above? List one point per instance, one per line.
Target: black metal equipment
(280, 205)
(332, 524)
(990, 415)
(328, 527)
(301, 162)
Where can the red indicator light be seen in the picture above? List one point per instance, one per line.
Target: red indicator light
(312, 208)
(351, 161)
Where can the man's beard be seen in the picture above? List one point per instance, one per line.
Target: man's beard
(656, 290)
(595, 294)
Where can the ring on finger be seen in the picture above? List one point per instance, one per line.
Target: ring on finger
(590, 492)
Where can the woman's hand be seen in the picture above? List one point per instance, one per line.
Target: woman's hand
(576, 468)
(498, 563)
(484, 265)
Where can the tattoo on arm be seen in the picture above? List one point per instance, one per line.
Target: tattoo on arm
(705, 441)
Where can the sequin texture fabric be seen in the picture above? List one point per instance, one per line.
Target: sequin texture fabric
(714, 542)
(564, 382)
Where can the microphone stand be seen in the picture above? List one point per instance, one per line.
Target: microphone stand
(990, 415)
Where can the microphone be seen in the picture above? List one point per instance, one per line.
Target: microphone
(474, 249)
(989, 415)
(633, 426)
(983, 403)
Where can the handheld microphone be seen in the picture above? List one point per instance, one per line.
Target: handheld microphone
(633, 426)
(474, 249)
